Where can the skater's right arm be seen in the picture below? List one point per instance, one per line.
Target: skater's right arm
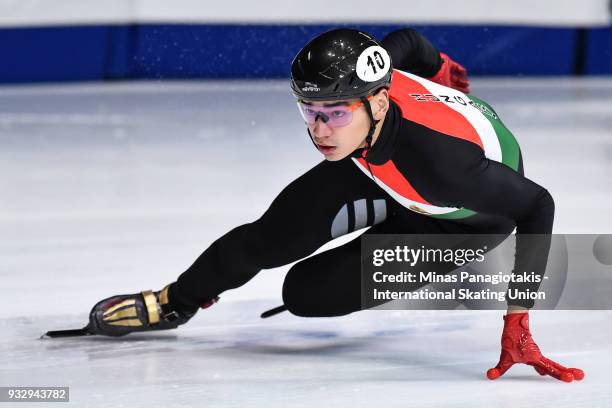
(412, 52)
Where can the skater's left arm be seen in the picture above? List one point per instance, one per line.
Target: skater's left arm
(486, 186)
(491, 187)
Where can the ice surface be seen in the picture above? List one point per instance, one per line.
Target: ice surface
(115, 188)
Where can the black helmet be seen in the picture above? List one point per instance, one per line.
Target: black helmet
(340, 64)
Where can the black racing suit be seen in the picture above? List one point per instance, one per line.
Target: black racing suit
(439, 168)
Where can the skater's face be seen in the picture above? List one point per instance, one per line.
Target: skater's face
(339, 128)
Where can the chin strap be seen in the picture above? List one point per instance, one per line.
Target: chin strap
(368, 139)
(311, 138)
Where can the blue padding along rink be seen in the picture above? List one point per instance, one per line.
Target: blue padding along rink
(179, 51)
(599, 51)
(54, 53)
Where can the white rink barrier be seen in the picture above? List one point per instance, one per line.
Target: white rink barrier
(547, 13)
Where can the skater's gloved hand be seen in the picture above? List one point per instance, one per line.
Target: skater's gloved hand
(518, 347)
(144, 311)
(452, 74)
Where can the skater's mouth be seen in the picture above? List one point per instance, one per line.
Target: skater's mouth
(326, 150)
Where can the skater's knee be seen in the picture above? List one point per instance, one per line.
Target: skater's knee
(295, 295)
(307, 293)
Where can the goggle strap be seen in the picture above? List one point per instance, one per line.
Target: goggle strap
(312, 138)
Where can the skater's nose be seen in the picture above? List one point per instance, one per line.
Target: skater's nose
(321, 129)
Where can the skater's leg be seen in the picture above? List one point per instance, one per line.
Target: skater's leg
(329, 283)
(332, 199)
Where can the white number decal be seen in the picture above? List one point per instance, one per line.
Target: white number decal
(373, 64)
